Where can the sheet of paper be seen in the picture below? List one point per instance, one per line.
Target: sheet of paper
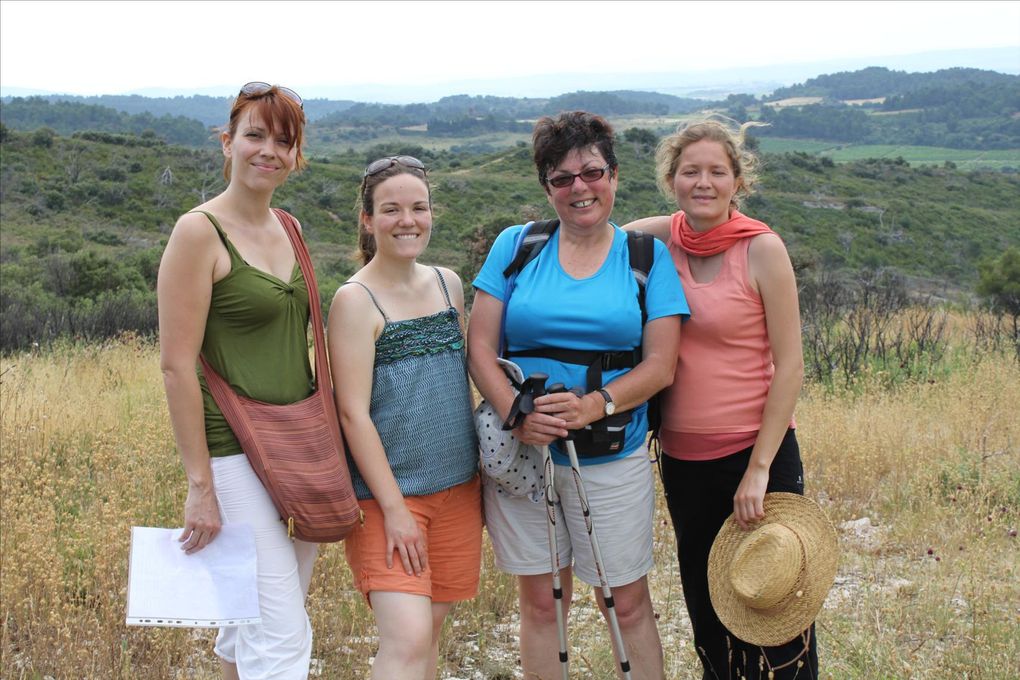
(211, 588)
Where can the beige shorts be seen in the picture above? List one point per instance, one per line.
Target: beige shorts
(621, 495)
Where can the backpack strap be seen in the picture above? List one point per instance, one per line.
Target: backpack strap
(529, 244)
(641, 248)
(535, 235)
(642, 257)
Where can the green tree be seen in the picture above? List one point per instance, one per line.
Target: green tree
(1000, 286)
(1000, 282)
(43, 137)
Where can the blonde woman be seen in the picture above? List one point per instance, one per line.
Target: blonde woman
(727, 420)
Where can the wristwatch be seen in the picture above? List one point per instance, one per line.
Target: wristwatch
(610, 408)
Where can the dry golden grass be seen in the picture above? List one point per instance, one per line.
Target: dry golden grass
(87, 452)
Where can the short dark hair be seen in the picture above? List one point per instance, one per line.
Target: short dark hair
(554, 138)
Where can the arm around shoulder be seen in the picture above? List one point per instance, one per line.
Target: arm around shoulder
(657, 226)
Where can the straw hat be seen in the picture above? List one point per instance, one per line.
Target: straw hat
(767, 584)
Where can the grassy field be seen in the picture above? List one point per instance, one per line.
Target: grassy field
(921, 480)
(965, 159)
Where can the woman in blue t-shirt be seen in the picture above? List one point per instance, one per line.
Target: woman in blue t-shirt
(580, 295)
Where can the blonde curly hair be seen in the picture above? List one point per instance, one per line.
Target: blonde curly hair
(744, 163)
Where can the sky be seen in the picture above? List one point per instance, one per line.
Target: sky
(210, 47)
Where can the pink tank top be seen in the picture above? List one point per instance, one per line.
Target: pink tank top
(724, 370)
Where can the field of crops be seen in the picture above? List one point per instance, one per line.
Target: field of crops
(965, 159)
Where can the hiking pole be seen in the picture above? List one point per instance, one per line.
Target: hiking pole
(534, 386)
(600, 567)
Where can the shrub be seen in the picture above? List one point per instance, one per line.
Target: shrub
(43, 137)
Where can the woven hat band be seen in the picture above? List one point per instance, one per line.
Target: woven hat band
(766, 566)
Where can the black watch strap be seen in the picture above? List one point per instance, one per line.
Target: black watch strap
(605, 395)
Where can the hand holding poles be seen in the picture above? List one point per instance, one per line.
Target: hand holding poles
(607, 593)
(533, 387)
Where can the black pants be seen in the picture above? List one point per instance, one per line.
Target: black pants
(700, 498)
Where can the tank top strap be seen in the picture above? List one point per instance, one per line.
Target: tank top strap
(442, 284)
(737, 265)
(374, 301)
(235, 257)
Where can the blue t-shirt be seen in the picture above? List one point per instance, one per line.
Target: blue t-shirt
(550, 308)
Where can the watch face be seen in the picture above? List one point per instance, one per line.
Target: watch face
(610, 407)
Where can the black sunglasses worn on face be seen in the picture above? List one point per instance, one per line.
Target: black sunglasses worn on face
(587, 176)
(255, 88)
(378, 166)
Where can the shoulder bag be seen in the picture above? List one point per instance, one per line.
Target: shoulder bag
(296, 449)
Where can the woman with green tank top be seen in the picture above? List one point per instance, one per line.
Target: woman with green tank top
(230, 287)
(396, 347)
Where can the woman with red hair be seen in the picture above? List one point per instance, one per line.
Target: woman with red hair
(230, 288)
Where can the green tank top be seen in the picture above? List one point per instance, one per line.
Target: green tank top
(255, 337)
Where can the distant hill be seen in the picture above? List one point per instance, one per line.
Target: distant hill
(210, 111)
(512, 108)
(958, 108)
(67, 117)
(954, 108)
(877, 81)
(85, 218)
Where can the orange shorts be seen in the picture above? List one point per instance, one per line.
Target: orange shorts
(450, 520)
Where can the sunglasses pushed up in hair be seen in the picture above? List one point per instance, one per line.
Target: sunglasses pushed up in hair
(256, 88)
(375, 167)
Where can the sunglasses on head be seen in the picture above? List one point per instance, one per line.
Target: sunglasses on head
(256, 88)
(375, 167)
(587, 176)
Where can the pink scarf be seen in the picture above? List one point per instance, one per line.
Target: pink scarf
(718, 238)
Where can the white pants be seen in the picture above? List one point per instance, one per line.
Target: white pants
(279, 648)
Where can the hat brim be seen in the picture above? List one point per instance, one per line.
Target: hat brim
(498, 447)
(795, 613)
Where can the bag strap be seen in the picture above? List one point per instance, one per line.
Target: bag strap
(314, 304)
(606, 360)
